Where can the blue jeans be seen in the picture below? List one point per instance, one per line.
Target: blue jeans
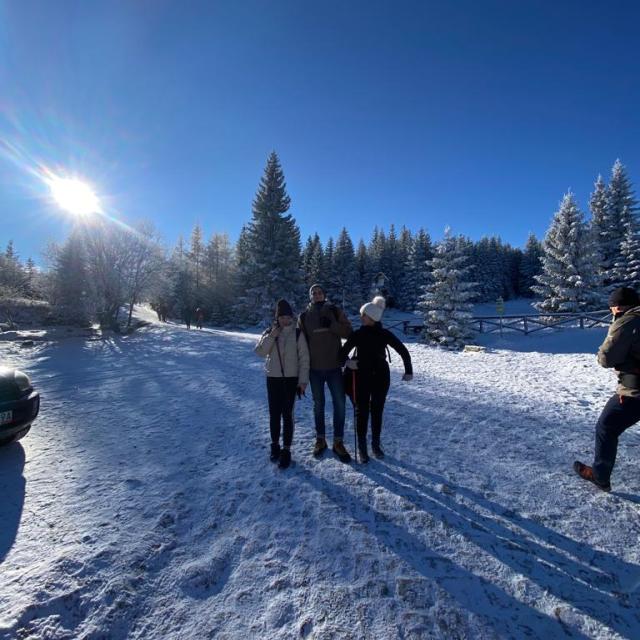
(333, 378)
(615, 419)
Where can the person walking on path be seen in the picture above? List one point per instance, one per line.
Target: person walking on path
(619, 351)
(369, 365)
(287, 368)
(186, 316)
(199, 317)
(324, 325)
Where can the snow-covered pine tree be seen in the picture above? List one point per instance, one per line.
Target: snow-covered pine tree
(401, 269)
(312, 261)
(627, 269)
(392, 265)
(621, 211)
(488, 268)
(446, 299)
(196, 257)
(363, 269)
(329, 275)
(418, 273)
(569, 280)
(218, 275)
(377, 258)
(530, 265)
(345, 274)
(71, 290)
(273, 268)
(599, 226)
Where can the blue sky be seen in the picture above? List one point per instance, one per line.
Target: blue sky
(477, 115)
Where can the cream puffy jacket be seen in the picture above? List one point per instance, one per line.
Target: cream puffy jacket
(294, 354)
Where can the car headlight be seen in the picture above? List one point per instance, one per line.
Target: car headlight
(22, 380)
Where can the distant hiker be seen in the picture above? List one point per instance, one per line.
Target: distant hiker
(186, 316)
(287, 367)
(324, 324)
(619, 351)
(199, 317)
(369, 365)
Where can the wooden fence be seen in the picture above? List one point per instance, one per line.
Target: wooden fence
(528, 323)
(537, 322)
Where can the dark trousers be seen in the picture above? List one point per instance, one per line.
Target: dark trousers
(620, 413)
(371, 392)
(282, 396)
(333, 378)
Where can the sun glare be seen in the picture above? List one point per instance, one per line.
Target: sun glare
(74, 196)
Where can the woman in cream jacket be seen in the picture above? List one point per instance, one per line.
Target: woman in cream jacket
(287, 368)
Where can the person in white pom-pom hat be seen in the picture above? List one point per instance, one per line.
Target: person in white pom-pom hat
(370, 371)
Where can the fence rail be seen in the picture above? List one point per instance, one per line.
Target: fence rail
(537, 322)
(526, 323)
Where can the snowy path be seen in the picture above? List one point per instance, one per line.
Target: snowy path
(143, 504)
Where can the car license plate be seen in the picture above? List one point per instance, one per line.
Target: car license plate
(6, 416)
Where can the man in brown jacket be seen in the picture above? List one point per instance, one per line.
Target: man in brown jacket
(324, 325)
(619, 351)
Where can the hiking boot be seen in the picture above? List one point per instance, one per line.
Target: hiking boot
(340, 451)
(285, 458)
(377, 451)
(362, 451)
(319, 447)
(586, 473)
(275, 452)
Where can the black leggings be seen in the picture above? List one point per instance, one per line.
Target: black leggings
(371, 393)
(282, 397)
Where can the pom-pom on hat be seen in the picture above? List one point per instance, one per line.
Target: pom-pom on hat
(374, 309)
(624, 297)
(283, 308)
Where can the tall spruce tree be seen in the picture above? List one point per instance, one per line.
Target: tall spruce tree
(273, 249)
(446, 299)
(530, 265)
(627, 269)
(621, 212)
(329, 275)
(418, 272)
(363, 269)
(599, 226)
(345, 274)
(569, 280)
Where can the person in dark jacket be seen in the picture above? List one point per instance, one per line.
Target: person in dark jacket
(619, 351)
(324, 325)
(371, 371)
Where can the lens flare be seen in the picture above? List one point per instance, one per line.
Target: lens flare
(73, 195)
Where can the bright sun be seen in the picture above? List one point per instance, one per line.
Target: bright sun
(74, 196)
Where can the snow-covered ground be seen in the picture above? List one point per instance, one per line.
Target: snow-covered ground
(143, 503)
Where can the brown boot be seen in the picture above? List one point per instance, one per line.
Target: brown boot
(340, 451)
(319, 447)
(586, 473)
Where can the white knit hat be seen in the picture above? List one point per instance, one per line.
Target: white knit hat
(374, 309)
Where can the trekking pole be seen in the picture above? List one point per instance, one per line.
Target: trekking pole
(355, 419)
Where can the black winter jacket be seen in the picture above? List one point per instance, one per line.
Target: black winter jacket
(371, 344)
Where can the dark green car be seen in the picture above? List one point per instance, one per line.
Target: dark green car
(19, 405)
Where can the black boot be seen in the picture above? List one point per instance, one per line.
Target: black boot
(320, 447)
(377, 451)
(275, 452)
(362, 451)
(285, 458)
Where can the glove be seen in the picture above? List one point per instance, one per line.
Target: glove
(407, 377)
(352, 364)
(325, 322)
